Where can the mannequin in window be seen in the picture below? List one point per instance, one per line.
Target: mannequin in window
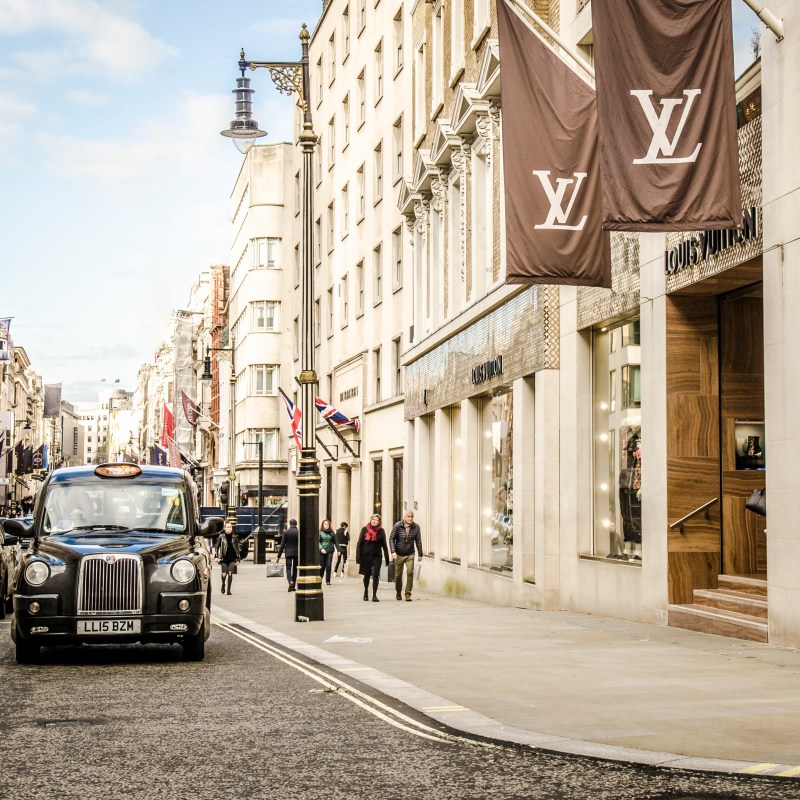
(630, 495)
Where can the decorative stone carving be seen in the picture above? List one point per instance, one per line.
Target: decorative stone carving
(422, 210)
(439, 192)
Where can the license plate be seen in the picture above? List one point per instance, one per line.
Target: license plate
(108, 626)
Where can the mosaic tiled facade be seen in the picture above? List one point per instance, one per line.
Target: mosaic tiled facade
(524, 331)
(750, 176)
(597, 305)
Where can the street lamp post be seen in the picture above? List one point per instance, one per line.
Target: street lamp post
(227, 353)
(291, 77)
(260, 534)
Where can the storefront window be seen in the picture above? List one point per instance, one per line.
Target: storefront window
(617, 430)
(496, 532)
(457, 518)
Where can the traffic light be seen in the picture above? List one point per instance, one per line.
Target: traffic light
(223, 495)
(244, 498)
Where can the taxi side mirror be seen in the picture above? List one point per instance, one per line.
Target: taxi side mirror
(211, 527)
(9, 541)
(16, 527)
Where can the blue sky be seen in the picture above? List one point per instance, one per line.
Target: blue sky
(115, 178)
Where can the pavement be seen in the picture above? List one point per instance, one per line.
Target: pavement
(559, 681)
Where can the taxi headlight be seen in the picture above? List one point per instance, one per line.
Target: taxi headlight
(36, 573)
(183, 571)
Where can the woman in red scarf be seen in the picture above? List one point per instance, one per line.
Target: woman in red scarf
(368, 554)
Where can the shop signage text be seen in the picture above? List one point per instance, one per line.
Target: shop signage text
(710, 243)
(348, 394)
(489, 369)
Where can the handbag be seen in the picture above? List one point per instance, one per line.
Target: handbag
(757, 502)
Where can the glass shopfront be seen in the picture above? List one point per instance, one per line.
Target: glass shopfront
(617, 441)
(456, 519)
(496, 482)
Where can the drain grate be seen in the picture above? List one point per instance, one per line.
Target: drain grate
(67, 723)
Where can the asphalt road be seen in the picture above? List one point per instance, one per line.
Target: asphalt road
(252, 721)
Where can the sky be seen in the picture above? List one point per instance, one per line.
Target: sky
(115, 180)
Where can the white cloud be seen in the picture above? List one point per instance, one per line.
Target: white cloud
(14, 112)
(172, 149)
(96, 36)
(86, 98)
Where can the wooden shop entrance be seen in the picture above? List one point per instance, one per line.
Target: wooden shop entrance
(717, 556)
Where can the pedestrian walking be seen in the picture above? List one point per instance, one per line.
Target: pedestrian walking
(327, 547)
(371, 543)
(343, 540)
(226, 551)
(288, 545)
(404, 538)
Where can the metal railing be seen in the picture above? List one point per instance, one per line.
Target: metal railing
(705, 507)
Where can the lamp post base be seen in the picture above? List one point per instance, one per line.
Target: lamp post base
(309, 603)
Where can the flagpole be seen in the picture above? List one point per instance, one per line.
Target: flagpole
(562, 43)
(767, 17)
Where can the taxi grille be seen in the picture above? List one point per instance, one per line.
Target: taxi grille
(110, 585)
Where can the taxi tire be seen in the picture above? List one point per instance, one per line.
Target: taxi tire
(27, 652)
(194, 647)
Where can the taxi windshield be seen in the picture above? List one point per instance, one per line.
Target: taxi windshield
(115, 503)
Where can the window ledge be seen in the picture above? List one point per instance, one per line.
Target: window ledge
(615, 561)
(500, 573)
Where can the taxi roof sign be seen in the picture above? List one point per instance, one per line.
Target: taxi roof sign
(118, 470)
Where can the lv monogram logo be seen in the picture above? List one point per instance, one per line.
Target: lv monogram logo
(557, 216)
(660, 143)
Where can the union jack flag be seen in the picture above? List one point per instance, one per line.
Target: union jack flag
(294, 416)
(335, 416)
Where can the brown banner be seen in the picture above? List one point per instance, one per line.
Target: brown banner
(190, 409)
(667, 114)
(550, 165)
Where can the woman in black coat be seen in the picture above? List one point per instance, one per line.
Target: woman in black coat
(371, 541)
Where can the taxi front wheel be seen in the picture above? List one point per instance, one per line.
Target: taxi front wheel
(27, 652)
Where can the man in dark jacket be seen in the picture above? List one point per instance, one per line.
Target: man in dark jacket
(289, 545)
(405, 536)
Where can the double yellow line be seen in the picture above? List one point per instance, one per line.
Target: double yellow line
(382, 711)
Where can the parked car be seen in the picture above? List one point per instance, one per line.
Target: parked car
(10, 554)
(117, 555)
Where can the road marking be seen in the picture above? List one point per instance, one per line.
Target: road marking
(756, 769)
(375, 707)
(789, 773)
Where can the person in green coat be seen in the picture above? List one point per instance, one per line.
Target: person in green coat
(327, 547)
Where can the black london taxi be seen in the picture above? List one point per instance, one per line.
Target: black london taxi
(118, 554)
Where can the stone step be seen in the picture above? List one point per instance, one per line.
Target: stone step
(730, 600)
(705, 619)
(743, 583)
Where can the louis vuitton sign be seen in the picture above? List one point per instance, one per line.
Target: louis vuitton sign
(709, 243)
(489, 369)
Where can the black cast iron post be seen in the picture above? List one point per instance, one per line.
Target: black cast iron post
(292, 77)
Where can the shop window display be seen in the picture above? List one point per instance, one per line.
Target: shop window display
(497, 501)
(617, 442)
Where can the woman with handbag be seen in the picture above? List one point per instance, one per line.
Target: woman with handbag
(371, 545)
